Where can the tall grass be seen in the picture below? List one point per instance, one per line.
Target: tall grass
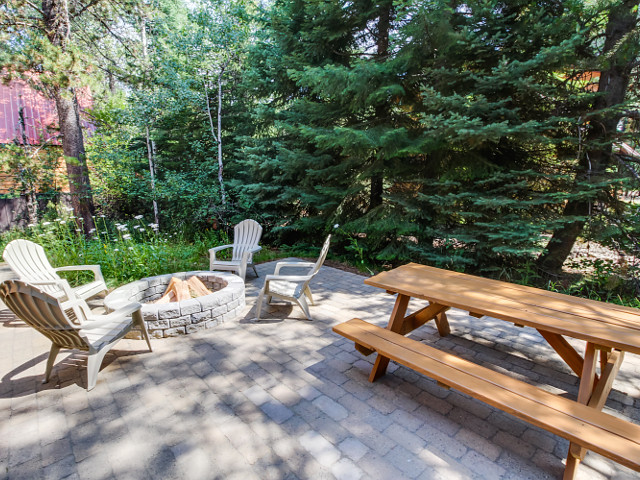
(125, 251)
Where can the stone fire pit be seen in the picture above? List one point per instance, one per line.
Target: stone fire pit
(188, 316)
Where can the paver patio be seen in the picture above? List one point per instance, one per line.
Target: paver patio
(284, 398)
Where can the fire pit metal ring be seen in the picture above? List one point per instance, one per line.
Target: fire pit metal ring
(188, 316)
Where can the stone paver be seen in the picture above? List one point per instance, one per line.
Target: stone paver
(283, 398)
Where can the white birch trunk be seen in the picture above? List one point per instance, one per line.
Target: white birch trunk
(218, 137)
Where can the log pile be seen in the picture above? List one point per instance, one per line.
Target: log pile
(179, 290)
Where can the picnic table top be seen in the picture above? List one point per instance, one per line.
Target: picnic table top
(602, 323)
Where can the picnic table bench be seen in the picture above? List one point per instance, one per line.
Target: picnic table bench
(609, 331)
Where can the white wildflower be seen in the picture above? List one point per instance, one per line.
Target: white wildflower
(92, 230)
(122, 228)
(138, 217)
(31, 225)
(126, 236)
(102, 216)
(46, 223)
(68, 209)
(62, 222)
(58, 219)
(337, 225)
(130, 248)
(116, 250)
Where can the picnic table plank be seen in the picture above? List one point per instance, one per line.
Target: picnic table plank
(557, 302)
(484, 297)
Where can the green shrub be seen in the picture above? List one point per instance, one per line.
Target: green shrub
(125, 251)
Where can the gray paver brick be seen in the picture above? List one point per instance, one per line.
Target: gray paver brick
(276, 411)
(346, 470)
(353, 448)
(331, 408)
(321, 449)
(481, 465)
(479, 444)
(514, 444)
(405, 461)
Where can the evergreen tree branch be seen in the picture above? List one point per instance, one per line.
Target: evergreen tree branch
(85, 8)
(34, 6)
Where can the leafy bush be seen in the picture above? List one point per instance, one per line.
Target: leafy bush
(125, 251)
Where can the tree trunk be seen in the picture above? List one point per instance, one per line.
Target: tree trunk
(75, 157)
(217, 138)
(151, 153)
(613, 83)
(381, 111)
(223, 193)
(56, 20)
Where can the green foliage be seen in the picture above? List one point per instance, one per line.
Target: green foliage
(125, 251)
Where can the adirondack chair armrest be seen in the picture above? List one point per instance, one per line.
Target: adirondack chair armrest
(62, 283)
(250, 251)
(214, 250)
(97, 272)
(95, 321)
(287, 278)
(279, 265)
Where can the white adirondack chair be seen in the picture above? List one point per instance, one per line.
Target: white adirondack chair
(30, 263)
(96, 334)
(246, 236)
(293, 288)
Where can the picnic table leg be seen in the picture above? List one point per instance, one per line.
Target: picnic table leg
(593, 392)
(587, 380)
(395, 325)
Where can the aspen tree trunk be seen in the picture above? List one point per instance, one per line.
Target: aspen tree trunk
(613, 83)
(56, 19)
(217, 138)
(151, 151)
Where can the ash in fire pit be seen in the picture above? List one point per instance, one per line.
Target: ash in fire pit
(186, 316)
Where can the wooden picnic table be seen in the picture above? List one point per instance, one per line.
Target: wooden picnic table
(608, 331)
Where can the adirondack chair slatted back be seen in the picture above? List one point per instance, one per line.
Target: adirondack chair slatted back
(323, 255)
(246, 235)
(29, 261)
(42, 312)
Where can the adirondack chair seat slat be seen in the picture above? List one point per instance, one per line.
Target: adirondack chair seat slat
(285, 288)
(109, 333)
(90, 289)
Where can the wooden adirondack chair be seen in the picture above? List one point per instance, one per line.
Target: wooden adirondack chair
(95, 334)
(30, 263)
(293, 288)
(246, 236)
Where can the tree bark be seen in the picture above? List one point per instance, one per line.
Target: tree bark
(381, 111)
(613, 84)
(75, 157)
(218, 137)
(151, 153)
(58, 28)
